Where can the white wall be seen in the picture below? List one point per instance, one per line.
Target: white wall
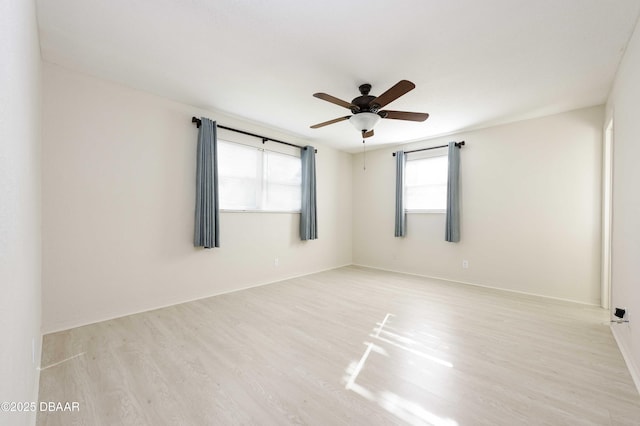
(530, 221)
(118, 194)
(625, 262)
(20, 242)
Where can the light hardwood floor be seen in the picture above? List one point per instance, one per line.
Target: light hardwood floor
(351, 346)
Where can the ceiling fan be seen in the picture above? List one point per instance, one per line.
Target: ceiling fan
(366, 108)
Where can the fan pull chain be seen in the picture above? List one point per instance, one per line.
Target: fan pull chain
(364, 156)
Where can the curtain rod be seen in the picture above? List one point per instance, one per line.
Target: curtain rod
(264, 138)
(458, 144)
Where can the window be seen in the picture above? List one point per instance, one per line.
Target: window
(426, 183)
(255, 179)
(283, 180)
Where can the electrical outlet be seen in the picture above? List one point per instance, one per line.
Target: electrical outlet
(465, 264)
(276, 261)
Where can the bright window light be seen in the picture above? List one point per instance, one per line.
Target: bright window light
(426, 184)
(257, 180)
(238, 179)
(282, 182)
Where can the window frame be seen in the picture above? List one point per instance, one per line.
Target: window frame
(261, 176)
(414, 156)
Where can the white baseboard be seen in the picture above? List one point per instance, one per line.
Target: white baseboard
(634, 369)
(479, 285)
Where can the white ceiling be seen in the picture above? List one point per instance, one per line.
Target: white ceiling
(475, 63)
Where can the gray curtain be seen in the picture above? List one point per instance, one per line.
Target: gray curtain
(452, 233)
(401, 216)
(207, 209)
(308, 210)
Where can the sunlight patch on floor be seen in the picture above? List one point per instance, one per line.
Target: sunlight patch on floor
(404, 409)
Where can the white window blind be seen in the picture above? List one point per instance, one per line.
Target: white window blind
(426, 184)
(282, 182)
(257, 180)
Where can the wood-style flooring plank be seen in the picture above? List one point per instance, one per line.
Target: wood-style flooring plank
(351, 346)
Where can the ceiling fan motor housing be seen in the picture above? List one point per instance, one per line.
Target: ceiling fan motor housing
(363, 103)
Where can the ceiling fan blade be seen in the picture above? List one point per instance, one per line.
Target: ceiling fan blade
(333, 100)
(404, 115)
(368, 134)
(326, 123)
(401, 87)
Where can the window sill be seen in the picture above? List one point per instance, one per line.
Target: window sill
(259, 211)
(436, 211)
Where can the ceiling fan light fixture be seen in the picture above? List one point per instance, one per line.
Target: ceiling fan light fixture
(364, 121)
(366, 108)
